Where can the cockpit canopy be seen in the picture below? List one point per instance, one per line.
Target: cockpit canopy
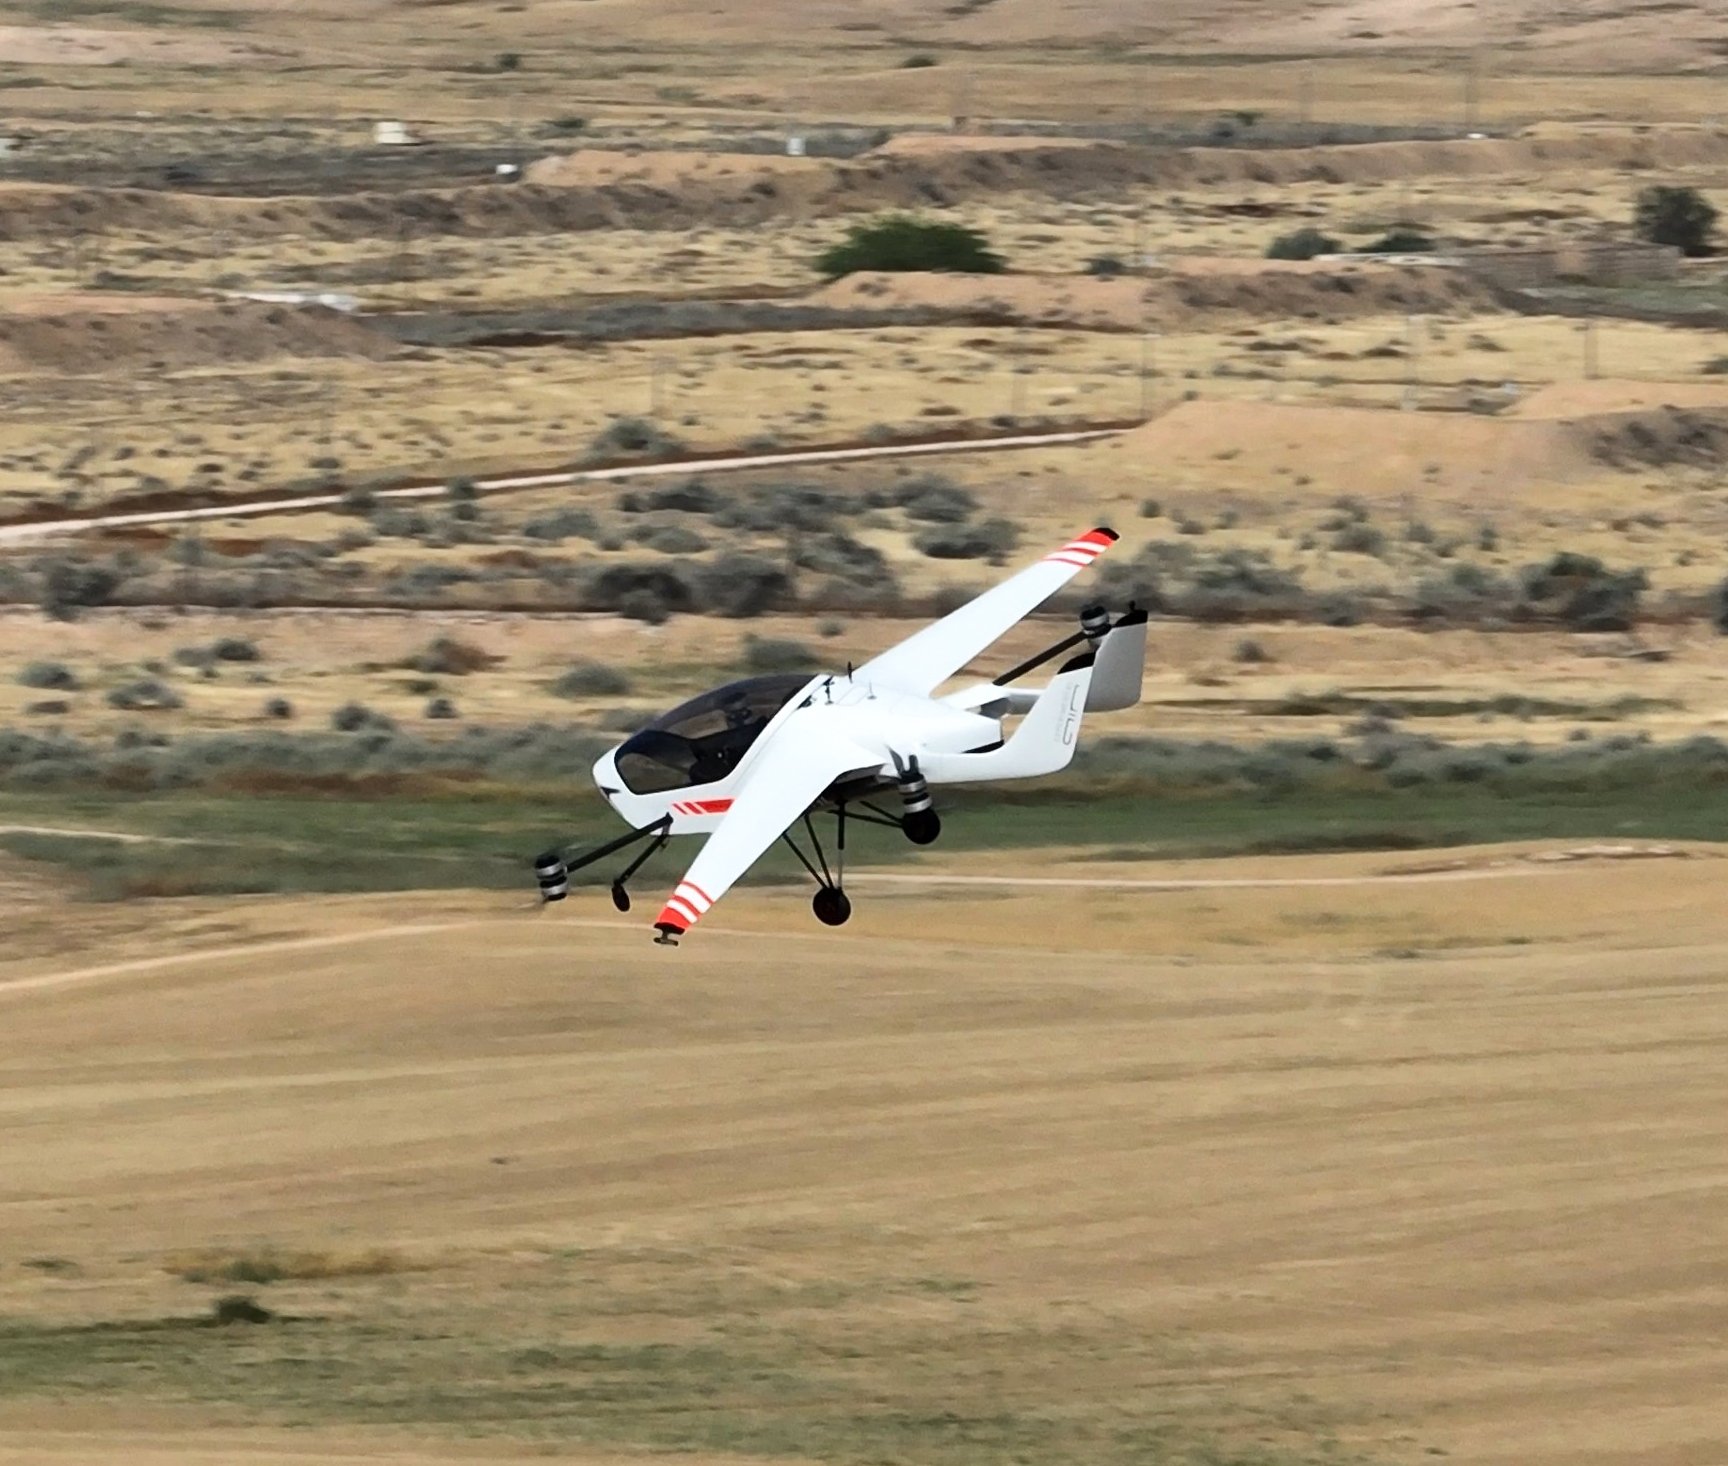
(703, 740)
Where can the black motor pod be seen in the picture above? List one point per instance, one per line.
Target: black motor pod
(554, 879)
(920, 822)
(1095, 622)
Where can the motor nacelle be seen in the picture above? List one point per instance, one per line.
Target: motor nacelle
(918, 819)
(553, 876)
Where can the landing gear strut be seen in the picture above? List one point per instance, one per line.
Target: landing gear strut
(830, 903)
(552, 872)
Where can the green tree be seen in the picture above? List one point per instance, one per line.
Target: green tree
(901, 242)
(1681, 217)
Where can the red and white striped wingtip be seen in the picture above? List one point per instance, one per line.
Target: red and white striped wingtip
(1083, 551)
(686, 906)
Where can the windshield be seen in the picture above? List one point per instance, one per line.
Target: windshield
(702, 741)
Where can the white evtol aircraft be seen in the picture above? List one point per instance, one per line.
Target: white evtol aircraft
(745, 763)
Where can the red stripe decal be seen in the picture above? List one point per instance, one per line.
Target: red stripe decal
(698, 890)
(711, 806)
(683, 908)
(669, 917)
(1099, 538)
(1074, 560)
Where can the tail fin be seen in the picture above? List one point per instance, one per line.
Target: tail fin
(1121, 670)
(1042, 744)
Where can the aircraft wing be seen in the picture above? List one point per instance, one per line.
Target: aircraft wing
(799, 761)
(929, 657)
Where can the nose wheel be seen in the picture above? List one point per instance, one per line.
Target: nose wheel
(832, 906)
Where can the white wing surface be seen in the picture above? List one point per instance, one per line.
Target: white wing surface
(929, 657)
(802, 758)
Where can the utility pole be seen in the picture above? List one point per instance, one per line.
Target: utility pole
(1147, 338)
(1413, 325)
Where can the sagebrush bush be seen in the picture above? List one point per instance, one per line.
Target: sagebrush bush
(147, 694)
(356, 717)
(634, 437)
(671, 539)
(741, 585)
(1302, 244)
(591, 679)
(777, 654)
(558, 525)
(450, 656)
(49, 676)
(990, 539)
(932, 499)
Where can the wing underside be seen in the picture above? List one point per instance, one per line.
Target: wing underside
(800, 761)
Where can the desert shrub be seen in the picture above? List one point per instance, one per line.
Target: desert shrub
(278, 708)
(918, 61)
(192, 656)
(356, 717)
(441, 708)
(633, 437)
(1582, 592)
(425, 580)
(904, 242)
(1302, 244)
(782, 507)
(590, 679)
(1716, 366)
(641, 591)
(1401, 239)
(690, 497)
(558, 525)
(934, 499)
(990, 539)
(70, 586)
(235, 649)
(1359, 539)
(396, 523)
(670, 539)
(1680, 217)
(1105, 267)
(49, 676)
(777, 654)
(1151, 509)
(1466, 592)
(1251, 653)
(840, 556)
(147, 694)
(741, 585)
(450, 656)
(830, 627)
(48, 707)
(464, 498)
(358, 500)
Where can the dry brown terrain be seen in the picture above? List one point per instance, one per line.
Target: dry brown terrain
(1416, 1168)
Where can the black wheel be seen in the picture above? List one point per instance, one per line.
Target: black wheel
(922, 827)
(831, 906)
(620, 897)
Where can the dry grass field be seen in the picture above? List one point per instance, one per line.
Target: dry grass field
(1128, 1126)
(1301, 681)
(1313, 1168)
